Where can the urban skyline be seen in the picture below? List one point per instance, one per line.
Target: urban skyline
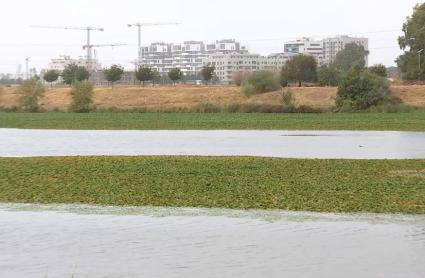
(262, 28)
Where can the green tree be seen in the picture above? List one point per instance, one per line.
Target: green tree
(329, 75)
(300, 68)
(30, 92)
(113, 74)
(352, 55)
(175, 75)
(144, 74)
(51, 76)
(379, 70)
(361, 89)
(156, 77)
(82, 97)
(207, 72)
(260, 82)
(73, 73)
(412, 42)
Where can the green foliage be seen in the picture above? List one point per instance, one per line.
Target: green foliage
(207, 72)
(412, 121)
(156, 76)
(412, 42)
(379, 70)
(113, 74)
(353, 55)
(301, 68)
(73, 73)
(82, 97)
(175, 74)
(51, 76)
(144, 74)
(30, 92)
(361, 89)
(260, 82)
(329, 75)
(220, 182)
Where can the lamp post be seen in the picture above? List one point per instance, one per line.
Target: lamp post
(420, 68)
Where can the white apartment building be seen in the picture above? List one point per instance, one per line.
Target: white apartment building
(228, 64)
(334, 45)
(188, 56)
(59, 64)
(307, 46)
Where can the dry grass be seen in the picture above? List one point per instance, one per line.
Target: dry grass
(191, 96)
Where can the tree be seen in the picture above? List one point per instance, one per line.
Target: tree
(144, 74)
(51, 76)
(360, 89)
(300, 68)
(379, 70)
(31, 91)
(73, 73)
(207, 72)
(175, 75)
(82, 97)
(412, 42)
(113, 74)
(329, 75)
(261, 82)
(156, 77)
(352, 55)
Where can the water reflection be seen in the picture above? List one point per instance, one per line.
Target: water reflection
(288, 144)
(86, 241)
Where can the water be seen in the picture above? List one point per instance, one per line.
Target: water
(84, 241)
(287, 144)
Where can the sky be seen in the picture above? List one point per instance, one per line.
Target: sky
(263, 26)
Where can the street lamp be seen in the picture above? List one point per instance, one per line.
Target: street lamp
(420, 68)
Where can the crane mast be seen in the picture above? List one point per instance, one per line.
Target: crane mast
(139, 33)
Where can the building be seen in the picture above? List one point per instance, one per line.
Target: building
(307, 46)
(64, 61)
(332, 46)
(228, 64)
(188, 56)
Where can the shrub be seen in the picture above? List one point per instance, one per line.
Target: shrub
(260, 82)
(82, 97)
(239, 77)
(329, 75)
(288, 98)
(31, 91)
(361, 89)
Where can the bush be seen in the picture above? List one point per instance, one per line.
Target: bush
(329, 75)
(260, 82)
(361, 89)
(288, 99)
(82, 97)
(31, 91)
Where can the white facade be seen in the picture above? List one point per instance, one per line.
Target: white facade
(60, 63)
(334, 45)
(227, 65)
(307, 46)
(188, 56)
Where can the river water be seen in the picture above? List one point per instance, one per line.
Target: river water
(86, 241)
(284, 144)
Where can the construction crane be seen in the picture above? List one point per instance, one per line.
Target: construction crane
(88, 29)
(139, 29)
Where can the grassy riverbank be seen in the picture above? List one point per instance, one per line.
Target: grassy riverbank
(244, 183)
(409, 121)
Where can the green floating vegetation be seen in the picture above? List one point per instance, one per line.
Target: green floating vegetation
(409, 121)
(382, 186)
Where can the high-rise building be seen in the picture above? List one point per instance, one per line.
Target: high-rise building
(332, 46)
(188, 56)
(306, 46)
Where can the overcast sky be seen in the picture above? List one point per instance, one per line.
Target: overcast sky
(262, 25)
